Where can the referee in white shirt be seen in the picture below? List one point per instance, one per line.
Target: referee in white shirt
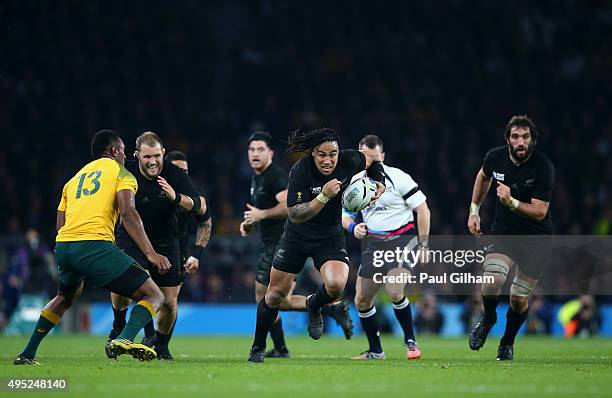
(391, 215)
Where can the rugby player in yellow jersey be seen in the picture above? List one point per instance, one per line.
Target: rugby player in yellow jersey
(90, 205)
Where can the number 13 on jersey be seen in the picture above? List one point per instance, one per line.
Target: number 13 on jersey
(93, 179)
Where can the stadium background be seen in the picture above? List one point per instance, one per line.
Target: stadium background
(436, 80)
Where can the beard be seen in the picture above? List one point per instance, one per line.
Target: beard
(520, 158)
(151, 173)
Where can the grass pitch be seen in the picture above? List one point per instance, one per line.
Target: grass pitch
(217, 367)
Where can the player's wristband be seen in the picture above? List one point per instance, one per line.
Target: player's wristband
(351, 227)
(322, 198)
(474, 209)
(513, 204)
(424, 243)
(177, 199)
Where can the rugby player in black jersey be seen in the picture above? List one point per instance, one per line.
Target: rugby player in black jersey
(189, 257)
(163, 190)
(524, 181)
(268, 209)
(313, 228)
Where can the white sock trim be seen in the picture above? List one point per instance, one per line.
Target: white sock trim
(367, 314)
(402, 304)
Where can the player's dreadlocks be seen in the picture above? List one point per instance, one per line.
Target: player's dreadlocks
(305, 141)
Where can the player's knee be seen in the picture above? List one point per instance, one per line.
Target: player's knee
(170, 305)
(363, 303)
(335, 288)
(492, 289)
(518, 300)
(120, 302)
(170, 300)
(396, 296)
(522, 287)
(275, 296)
(156, 298)
(66, 300)
(519, 303)
(495, 271)
(62, 301)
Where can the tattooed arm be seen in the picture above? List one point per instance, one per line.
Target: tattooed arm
(305, 211)
(203, 233)
(202, 238)
(204, 222)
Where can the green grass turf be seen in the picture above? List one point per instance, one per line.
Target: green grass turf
(217, 367)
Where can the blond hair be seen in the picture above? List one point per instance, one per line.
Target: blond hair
(148, 138)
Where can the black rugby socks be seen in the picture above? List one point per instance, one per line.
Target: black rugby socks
(265, 318)
(403, 314)
(514, 321)
(369, 324)
(490, 309)
(149, 329)
(119, 321)
(161, 339)
(319, 299)
(278, 336)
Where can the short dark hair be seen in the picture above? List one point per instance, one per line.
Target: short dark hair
(102, 141)
(371, 141)
(149, 138)
(176, 155)
(521, 121)
(262, 136)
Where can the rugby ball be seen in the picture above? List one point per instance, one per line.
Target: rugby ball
(358, 194)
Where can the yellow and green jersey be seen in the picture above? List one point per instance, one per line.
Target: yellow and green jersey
(89, 200)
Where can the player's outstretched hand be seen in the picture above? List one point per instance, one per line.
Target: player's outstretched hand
(474, 224)
(161, 262)
(245, 228)
(360, 231)
(380, 189)
(191, 265)
(167, 188)
(331, 188)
